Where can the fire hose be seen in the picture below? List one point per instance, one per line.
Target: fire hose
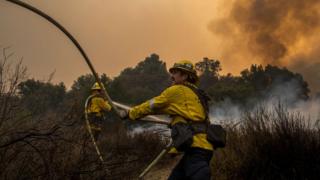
(91, 133)
(114, 105)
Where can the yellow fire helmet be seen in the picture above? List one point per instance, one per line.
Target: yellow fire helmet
(96, 86)
(185, 66)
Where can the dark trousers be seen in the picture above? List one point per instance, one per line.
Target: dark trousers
(194, 165)
(96, 124)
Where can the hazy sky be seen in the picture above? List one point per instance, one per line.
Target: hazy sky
(118, 34)
(115, 34)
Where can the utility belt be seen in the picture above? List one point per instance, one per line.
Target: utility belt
(96, 118)
(96, 115)
(182, 134)
(198, 127)
(91, 114)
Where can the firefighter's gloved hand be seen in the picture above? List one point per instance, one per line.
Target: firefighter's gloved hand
(124, 114)
(173, 152)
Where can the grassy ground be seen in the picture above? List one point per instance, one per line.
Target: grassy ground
(270, 145)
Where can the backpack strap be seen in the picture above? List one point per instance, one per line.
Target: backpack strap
(203, 97)
(200, 127)
(216, 134)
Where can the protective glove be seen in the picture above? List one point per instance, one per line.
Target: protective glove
(173, 152)
(124, 114)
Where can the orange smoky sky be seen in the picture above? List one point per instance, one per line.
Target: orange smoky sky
(119, 34)
(278, 32)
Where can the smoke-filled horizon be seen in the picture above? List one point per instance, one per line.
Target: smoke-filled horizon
(277, 32)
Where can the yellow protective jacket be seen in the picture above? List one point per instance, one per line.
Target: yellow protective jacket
(181, 103)
(98, 105)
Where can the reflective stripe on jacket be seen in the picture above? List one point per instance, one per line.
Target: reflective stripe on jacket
(98, 105)
(181, 103)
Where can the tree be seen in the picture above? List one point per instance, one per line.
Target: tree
(275, 82)
(257, 77)
(209, 72)
(209, 65)
(142, 82)
(10, 77)
(81, 87)
(230, 87)
(39, 96)
(20, 133)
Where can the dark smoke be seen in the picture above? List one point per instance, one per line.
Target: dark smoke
(277, 32)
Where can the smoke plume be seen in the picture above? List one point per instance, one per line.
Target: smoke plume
(228, 112)
(277, 32)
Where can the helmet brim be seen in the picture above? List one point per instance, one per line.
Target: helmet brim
(183, 70)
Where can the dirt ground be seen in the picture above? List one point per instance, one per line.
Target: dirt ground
(162, 171)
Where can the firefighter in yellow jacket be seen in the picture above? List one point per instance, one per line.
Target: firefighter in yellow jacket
(97, 106)
(184, 107)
